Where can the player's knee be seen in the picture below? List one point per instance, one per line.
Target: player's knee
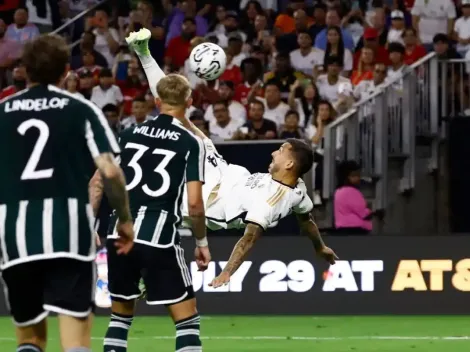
(123, 307)
(38, 341)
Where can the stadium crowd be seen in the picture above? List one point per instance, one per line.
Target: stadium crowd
(293, 66)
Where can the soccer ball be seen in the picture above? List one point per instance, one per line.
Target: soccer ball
(208, 61)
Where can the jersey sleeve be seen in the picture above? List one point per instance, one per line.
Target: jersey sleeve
(99, 136)
(196, 159)
(305, 205)
(266, 210)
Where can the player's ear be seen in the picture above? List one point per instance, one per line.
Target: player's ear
(189, 102)
(289, 164)
(158, 103)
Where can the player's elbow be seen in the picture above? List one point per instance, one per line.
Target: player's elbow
(195, 202)
(111, 172)
(196, 208)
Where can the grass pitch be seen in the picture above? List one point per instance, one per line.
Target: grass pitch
(285, 334)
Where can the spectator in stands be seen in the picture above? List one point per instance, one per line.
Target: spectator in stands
(185, 9)
(139, 113)
(431, 17)
(236, 110)
(249, 13)
(413, 50)
(251, 70)
(274, 108)
(217, 26)
(333, 18)
(290, 128)
(290, 41)
(106, 92)
(395, 33)
(444, 48)
(462, 29)
(379, 29)
(257, 126)
(232, 27)
(285, 22)
(354, 22)
(224, 127)
(306, 59)
(178, 48)
(71, 84)
(351, 214)
(106, 38)
(365, 68)
(87, 83)
(319, 19)
(335, 47)
(132, 86)
(112, 115)
(371, 40)
(261, 30)
(366, 88)
(197, 118)
(328, 83)
(345, 100)
(303, 98)
(143, 17)
(283, 74)
(234, 48)
(21, 31)
(19, 81)
(10, 50)
(205, 94)
(87, 44)
(397, 61)
(88, 61)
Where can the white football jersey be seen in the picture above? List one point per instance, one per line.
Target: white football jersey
(240, 197)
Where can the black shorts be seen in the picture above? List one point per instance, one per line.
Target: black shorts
(166, 276)
(62, 285)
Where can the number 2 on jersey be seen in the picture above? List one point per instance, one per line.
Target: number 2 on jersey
(30, 171)
(160, 169)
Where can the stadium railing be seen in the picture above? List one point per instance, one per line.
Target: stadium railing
(384, 126)
(76, 18)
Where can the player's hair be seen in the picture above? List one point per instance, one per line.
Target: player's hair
(303, 154)
(45, 59)
(174, 90)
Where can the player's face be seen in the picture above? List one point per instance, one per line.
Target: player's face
(282, 159)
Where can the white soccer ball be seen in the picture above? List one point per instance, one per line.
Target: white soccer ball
(208, 61)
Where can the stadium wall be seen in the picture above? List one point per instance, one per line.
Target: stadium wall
(376, 275)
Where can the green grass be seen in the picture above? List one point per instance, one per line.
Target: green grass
(285, 334)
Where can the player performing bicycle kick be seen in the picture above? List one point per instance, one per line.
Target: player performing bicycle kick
(235, 198)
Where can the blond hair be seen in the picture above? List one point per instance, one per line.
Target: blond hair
(174, 90)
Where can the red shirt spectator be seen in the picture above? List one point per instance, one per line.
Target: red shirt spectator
(10, 90)
(178, 48)
(371, 40)
(413, 50)
(243, 90)
(232, 73)
(132, 87)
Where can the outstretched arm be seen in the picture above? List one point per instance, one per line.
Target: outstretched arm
(308, 226)
(241, 250)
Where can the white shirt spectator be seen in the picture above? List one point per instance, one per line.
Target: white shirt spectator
(347, 60)
(433, 15)
(189, 111)
(395, 36)
(101, 44)
(277, 114)
(223, 38)
(131, 122)
(300, 110)
(224, 133)
(306, 63)
(102, 97)
(330, 91)
(462, 28)
(236, 111)
(395, 77)
(365, 89)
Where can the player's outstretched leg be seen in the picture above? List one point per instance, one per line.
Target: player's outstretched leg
(188, 324)
(118, 329)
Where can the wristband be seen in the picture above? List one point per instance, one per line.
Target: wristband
(202, 242)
